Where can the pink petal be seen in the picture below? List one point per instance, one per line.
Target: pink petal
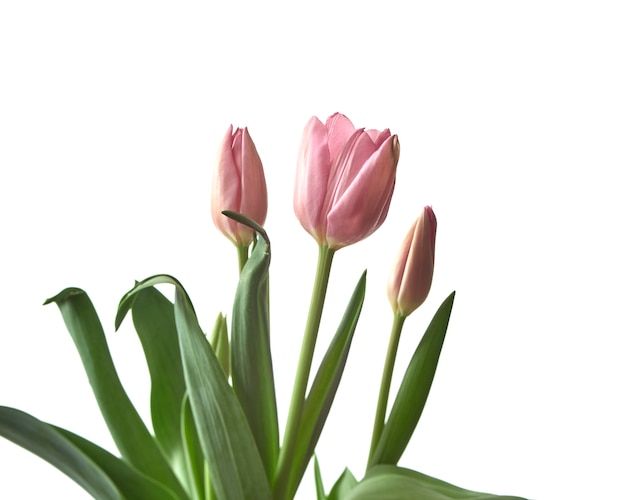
(313, 167)
(339, 129)
(253, 187)
(363, 206)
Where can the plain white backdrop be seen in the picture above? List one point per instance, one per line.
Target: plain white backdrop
(512, 122)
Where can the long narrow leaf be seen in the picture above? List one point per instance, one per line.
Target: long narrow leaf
(129, 432)
(48, 443)
(251, 358)
(237, 472)
(319, 484)
(131, 483)
(324, 387)
(153, 317)
(414, 389)
(388, 482)
(193, 452)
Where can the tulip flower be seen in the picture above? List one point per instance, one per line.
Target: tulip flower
(344, 180)
(412, 271)
(238, 185)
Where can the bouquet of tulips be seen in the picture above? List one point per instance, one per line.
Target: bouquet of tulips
(215, 432)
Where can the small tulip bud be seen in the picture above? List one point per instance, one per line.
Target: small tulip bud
(238, 185)
(412, 271)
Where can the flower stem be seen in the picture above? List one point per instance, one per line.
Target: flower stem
(385, 384)
(285, 457)
(242, 254)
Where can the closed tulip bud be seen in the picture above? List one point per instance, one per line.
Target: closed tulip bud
(238, 185)
(412, 271)
(344, 180)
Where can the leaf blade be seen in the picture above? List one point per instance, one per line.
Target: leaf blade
(131, 482)
(251, 358)
(153, 318)
(413, 392)
(44, 441)
(225, 437)
(128, 431)
(322, 393)
(389, 482)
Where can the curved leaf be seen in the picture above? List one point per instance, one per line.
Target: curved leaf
(389, 482)
(132, 483)
(251, 358)
(223, 431)
(129, 432)
(324, 387)
(153, 317)
(46, 442)
(414, 389)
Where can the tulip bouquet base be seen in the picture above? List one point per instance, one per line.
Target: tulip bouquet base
(214, 432)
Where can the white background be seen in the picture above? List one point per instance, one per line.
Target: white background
(511, 117)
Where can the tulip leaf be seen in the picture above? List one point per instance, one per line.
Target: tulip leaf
(128, 431)
(49, 444)
(324, 387)
(100, 473)
(153, 317)
(193, 452)
(414, 389)
(251, 359)
(220, 344)
(344, 485)
(319, 484)
(131, 482)
(225, 438)
(389, 482)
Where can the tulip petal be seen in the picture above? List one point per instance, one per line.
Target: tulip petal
(312, 172)
(398, 269)
(253, 187)
(363, 206)
(357, 150)
(339, 128)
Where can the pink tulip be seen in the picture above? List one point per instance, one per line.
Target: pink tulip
(238, 185)
(412, 271)
(344, 180)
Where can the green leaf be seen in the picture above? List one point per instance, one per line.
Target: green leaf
(324, 387)
(132, 483)
(414, 390)
(389, 482)
(129, 432)
(193, 452)
(319, 484)
(251, 358)
(344, 485)
(46, 442)
(153, 317)
(220, 344)
(237, 472)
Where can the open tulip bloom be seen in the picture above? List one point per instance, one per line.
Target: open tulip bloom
(214, 432)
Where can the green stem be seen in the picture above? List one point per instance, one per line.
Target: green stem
(285, 457)
(385, 383)
(242, 254)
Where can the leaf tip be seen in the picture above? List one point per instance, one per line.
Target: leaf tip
(63, 295)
